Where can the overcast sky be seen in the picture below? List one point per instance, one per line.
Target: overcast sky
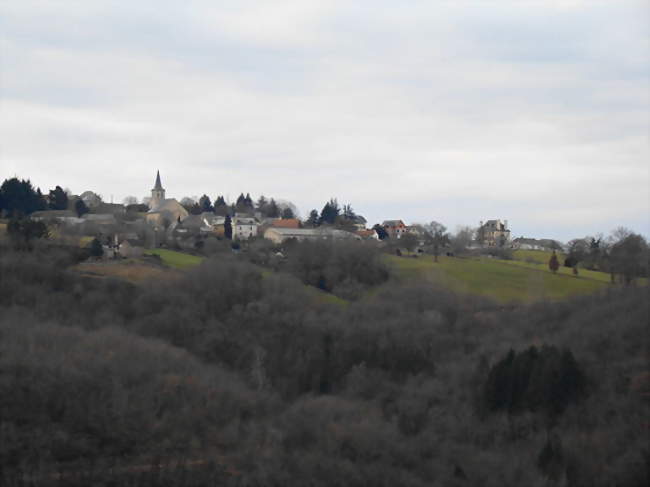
(455, 111)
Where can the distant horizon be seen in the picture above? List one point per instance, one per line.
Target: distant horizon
(303, 213)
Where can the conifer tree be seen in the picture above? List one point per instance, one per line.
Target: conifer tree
(57, 199)
(227, 228)
(312, 221)
(80, 207)
(19, 197)
(220, 206)
(273, 210)
(287, 213)
(329, 213)
(96, 249)
(553, 263)
(206, 204)
(248, 201)
(261, 204)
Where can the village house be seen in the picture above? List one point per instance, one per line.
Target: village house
(359, 222)
(244, 228)
(131, 249)
(523, 243)
(493, 233)
(370, 234)
(64, 216)
(279, 235)
(394, 228)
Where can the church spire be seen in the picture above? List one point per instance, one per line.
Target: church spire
(157, 193)
(158, 185)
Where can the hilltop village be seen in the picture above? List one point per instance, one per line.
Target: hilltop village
(127, 229)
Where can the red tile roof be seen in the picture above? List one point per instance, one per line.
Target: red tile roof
(286, 223)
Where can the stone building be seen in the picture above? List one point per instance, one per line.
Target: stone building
(163, 211)
(493, 233)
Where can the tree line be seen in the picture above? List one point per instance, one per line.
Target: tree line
(231, 375)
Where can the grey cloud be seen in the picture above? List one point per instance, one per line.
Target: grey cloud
(532, 112)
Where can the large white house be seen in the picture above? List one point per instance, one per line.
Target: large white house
(244, 228)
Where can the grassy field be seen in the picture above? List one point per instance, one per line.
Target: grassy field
(503, 280)
(177, 260)
(536, 256)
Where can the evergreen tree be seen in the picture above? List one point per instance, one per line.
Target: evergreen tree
(240, 204)
(273, 210)
(312, 221)
(348, 212)
(19, 197)
(206, 204)
(220, 206)
(381, 231)
(80, 207)
(96, 249)
(329, 213)
(57, 199)
(553, 263)
(227, 228)
(261, 205)
(287, 213)
(248, 201)
(195, 209)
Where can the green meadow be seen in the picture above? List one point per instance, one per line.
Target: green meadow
(526, 278)
(499, 279)
(177, 260)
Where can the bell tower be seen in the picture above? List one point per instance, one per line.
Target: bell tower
(157, 193)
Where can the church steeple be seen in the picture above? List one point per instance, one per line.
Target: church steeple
(158, 185)
(157, 193)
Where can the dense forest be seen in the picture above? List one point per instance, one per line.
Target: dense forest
(229, 375)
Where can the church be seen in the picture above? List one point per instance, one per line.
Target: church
(163, 211)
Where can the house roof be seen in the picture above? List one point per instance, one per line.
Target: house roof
(392, 223)
(169, 204)
(312, 232)
(366, 233)
(286, 223)
(245, 221)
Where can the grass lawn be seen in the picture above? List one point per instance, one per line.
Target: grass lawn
(502, 280)
(536, 256)
(177, 260)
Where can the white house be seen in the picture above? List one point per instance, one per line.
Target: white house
(244, 228)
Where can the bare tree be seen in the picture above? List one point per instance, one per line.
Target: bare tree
(462, 240)
(409, 242)
(130, 200)
(439, 237)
